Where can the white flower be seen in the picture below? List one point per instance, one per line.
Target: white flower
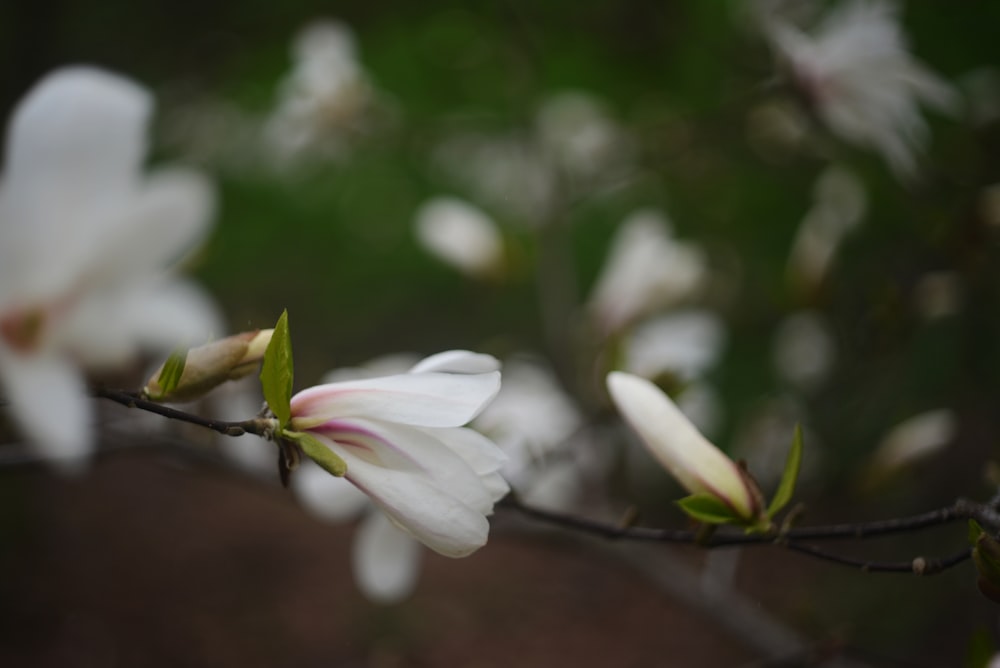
(804, 349)
(839, 205)
(85, 238)
(913, 439)
(325, 96)
(856, 73)
(699, 466)
(402, 439)
(685, 343)
(646, 270)
(460, 235)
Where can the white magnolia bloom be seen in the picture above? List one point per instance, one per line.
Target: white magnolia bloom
(699, 466)
(857, 75)
(85, 238)
(325, 96)
(646, 270)
(839, 205)
(685, 344)
(804, 349)
(461, 235)
(535, 423)
(915, 438)
(402, 439)
(581, 139)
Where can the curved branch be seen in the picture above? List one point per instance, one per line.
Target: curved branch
(258, 426)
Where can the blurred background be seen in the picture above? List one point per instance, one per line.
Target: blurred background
(663, 187)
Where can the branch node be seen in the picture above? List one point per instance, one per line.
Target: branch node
(919, 566)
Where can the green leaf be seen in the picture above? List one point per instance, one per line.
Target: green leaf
(710, 509)
(319, 452)
(793, 463)
(276, 371)
(975, 531)
(170, 374)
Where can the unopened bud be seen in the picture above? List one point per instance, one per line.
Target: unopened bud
(210, 365)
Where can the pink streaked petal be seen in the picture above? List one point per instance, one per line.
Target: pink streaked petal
(414, 450)
(425, 399)
(437, 519)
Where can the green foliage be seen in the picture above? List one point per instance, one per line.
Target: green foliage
(793, 464)
(708, 509)
(316, 450)
(173, 369)
(276, 371)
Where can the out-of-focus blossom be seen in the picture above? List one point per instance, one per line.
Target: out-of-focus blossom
(912, 440)
(856, 74)
(646, 270)
(699, 466)
(776, 130)
(461, 235)
(536, 424)
(581, 139)
(326, 96)
(700, 403)
(85, 240)
(982, 93)
(804, 349)
(938, 294)
(684, 344)
(402, 439)
(839, 205)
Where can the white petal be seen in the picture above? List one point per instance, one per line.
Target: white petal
(167, 217)
(334, 499)
(49, 401)
(74, 148)
(108, 328)
(437, 519)
(425, 399)
(386, 560)
(457, 361)
(410, 449)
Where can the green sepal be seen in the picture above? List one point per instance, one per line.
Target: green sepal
(709, 509)
(975, 531)
(173, 369)
(986, 556)
(276, 372)
(319, 452)
(793, 464)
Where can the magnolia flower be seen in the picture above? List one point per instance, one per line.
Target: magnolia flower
(804, 349)
(839, 204)
(700, 467)
(856, 74)
(402, 439)
(460, 235)
(685, 344)
(912, 440)
(645, 270)
(325, 96)
(84, 241)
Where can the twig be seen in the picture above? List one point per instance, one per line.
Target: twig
(258, 426)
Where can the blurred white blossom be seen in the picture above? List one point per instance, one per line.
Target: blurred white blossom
(938, 294)
(912, 440)
(684, 344)
(856, 73)
(839, 206)
(85, 241)
(461, 235)
(646, 269)
(324, 99)
(804, 349)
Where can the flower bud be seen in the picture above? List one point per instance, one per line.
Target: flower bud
(698, 466)
(210, 365)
